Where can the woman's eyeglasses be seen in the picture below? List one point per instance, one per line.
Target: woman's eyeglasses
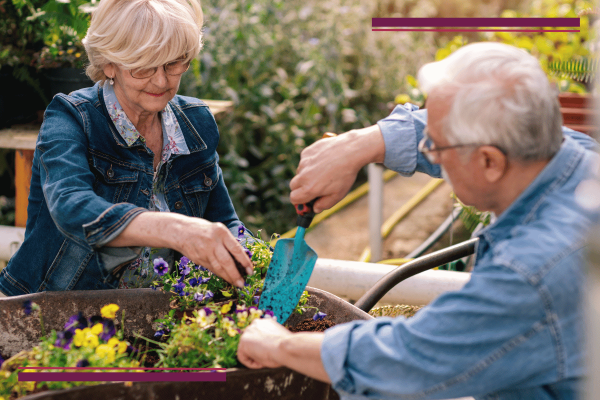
(173, 68)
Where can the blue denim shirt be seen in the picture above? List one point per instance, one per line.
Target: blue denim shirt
(88, 183)
(514, 331)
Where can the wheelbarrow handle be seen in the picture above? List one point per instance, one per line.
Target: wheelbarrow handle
(394, 277)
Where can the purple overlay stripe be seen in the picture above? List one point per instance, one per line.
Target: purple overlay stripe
(126, 368)
(470, 30)
(475, 22)
(121, 377)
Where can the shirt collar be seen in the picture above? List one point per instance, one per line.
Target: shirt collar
(556, 172)
(173, 139)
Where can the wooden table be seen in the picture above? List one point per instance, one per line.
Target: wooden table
(22, 139)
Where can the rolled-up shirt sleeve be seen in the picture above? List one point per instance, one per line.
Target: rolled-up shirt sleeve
(465, 343)
(402, 131)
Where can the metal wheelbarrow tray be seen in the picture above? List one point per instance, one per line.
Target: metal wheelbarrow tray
(142, 306)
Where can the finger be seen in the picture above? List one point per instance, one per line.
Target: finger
(325, 202)
(228, 265)
(217, 268)
(301, 195)
(240, 257)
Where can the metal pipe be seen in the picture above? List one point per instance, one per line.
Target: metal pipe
(352, 279)
(375, 173)
(369, 299)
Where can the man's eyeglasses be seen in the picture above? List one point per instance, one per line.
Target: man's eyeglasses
(427, 147)
(175, 68)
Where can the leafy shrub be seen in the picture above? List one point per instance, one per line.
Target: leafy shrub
(294, 71)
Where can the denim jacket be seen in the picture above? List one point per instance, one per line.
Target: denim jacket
(514, 331)
(87, 184)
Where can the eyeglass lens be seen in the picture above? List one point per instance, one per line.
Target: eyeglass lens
(176, 67)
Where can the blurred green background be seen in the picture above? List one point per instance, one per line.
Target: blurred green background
(296, 69)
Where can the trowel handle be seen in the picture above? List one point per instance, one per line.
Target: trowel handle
(305, 213)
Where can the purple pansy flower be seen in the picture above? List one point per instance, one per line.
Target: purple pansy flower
(208, 295)
(64, 339)
(241, 231)
(184, 269)
(204, 280)
(27, 307)
(1, 361)
(83, 363)
(109, 330)
(255, 299)
(179, 288)
(160, 266)
(208, 311)
(158, 334)
(183, 261)
(198, 297)
(319, 316)
(194, 282)
(268, 313)
(248, 253)
(77, 321)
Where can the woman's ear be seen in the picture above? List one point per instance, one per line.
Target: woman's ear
(493, 163)
(109, 70)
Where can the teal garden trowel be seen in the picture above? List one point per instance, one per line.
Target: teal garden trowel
(290, 269)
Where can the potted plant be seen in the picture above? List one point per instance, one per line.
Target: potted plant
(20, 38)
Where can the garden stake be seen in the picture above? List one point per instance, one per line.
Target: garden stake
(290, 269)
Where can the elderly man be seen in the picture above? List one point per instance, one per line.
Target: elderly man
(514, 331)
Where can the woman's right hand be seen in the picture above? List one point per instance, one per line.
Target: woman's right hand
(213, 246)
(205, 243)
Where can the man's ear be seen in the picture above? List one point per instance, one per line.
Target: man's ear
(493, 163)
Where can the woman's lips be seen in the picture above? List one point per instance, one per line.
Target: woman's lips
(155, 94)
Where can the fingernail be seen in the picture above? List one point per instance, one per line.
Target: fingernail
(239, 283)
(250, 271)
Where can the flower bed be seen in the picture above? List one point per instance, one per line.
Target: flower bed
(190, 329)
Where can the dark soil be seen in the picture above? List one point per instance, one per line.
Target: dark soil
(310, 325)
(147, 349)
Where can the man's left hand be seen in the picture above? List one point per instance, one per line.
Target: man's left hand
(259, 344)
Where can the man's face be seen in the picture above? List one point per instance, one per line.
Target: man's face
(459, 170)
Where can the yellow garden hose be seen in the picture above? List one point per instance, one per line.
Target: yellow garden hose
(402, 212)
(349, 199)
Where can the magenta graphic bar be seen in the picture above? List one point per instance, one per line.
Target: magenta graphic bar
(474, 22)
(124, 368)
(469, 30)
(121, 377)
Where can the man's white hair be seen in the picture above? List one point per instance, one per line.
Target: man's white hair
(500, 96)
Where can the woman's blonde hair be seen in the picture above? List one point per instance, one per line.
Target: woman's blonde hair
(142, 34)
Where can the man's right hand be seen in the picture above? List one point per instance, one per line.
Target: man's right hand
(329, 167)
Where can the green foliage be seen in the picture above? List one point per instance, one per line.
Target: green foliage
(561, 54)
(94, 345)
(204, 328)
(583, 70)
(294, 71)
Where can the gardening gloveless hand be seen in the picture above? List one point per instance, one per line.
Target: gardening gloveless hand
(206, 243)
(329, 167)
(267, 344)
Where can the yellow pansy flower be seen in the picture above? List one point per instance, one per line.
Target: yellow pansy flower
(226, 308)
(78, 338)
(122, 348)
(105, 351)
(97, 329)
(113, 342)
(109, 311)
(91, 341)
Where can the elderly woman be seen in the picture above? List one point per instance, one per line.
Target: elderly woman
(109, 155)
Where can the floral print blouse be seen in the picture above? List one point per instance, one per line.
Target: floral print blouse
(140, 272)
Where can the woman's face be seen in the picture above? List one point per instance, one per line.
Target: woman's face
(141, 96)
